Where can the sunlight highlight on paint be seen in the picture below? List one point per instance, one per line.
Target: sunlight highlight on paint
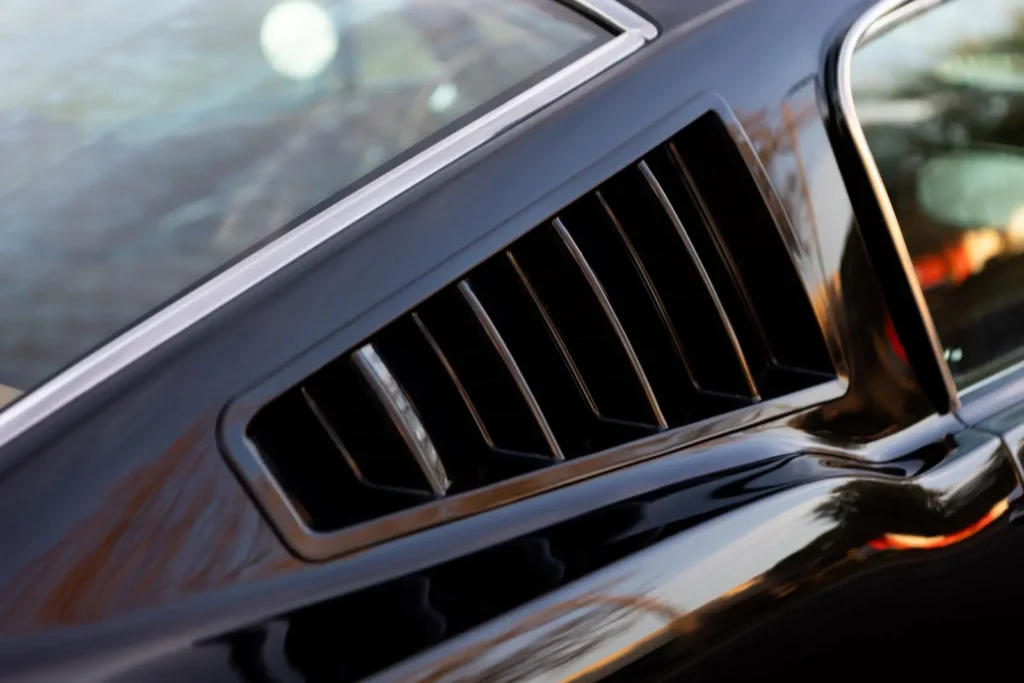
(911, 542)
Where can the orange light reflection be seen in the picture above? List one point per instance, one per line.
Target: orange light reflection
(910, 542)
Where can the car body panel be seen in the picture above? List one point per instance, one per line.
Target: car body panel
(145, 558)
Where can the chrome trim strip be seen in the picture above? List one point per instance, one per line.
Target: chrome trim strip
(994, 394)
(513, 368)
(404, 417)
(734, 340)
(617, 14)
(179, 315)
(896, 17)
(314, 407)
(606, 305)
(860, 31)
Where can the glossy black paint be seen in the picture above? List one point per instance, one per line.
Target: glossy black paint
(851, 610)
(132, 552)
(835, 508)
(680, 601)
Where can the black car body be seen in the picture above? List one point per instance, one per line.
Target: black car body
(816, 497)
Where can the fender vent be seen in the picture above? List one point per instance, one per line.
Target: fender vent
(664, 300)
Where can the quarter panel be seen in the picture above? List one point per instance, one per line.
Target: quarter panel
(116, 568)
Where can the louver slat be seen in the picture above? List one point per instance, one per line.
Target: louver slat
(601, 296)
(680, 282)
(536, 343)
(709, 286)
(403, 416)
(511, 366)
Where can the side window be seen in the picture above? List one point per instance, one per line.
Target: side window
(145, 152)
(940, 97)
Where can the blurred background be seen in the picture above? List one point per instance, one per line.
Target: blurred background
(144, 145)
(941, 100)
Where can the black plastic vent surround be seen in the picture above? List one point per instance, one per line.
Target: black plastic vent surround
(665, 297)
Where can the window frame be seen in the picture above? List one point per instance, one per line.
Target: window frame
(1002, 389)
(869, 24)
(175, 316)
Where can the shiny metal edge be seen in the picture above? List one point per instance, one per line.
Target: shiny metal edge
(556, 335)
(709, 286)
(1008, 425)
(509, 361)
(617, 14)
(897, 17)
(652, 293)
(403, 415)
(613, 319)
(453, 376)
(332, 434)
(855, 36)
(318, 545)
(180, 314)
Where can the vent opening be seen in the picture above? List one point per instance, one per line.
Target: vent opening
(728, 288)
(326, 483)
(549, 369)
(489, 384)
(691, 302)
(760, 257)
(663, 299)
(613, 258)
(559, 273)
(417, 361)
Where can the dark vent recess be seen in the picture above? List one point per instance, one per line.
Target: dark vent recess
(664, 297)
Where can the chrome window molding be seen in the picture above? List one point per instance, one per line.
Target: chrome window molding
(618, 15)
(879, 18)
(895, 17)
(166, 323)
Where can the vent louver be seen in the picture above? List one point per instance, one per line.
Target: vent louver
(664, 298)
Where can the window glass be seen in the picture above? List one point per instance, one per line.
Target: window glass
(145, 144)
(941, 100)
